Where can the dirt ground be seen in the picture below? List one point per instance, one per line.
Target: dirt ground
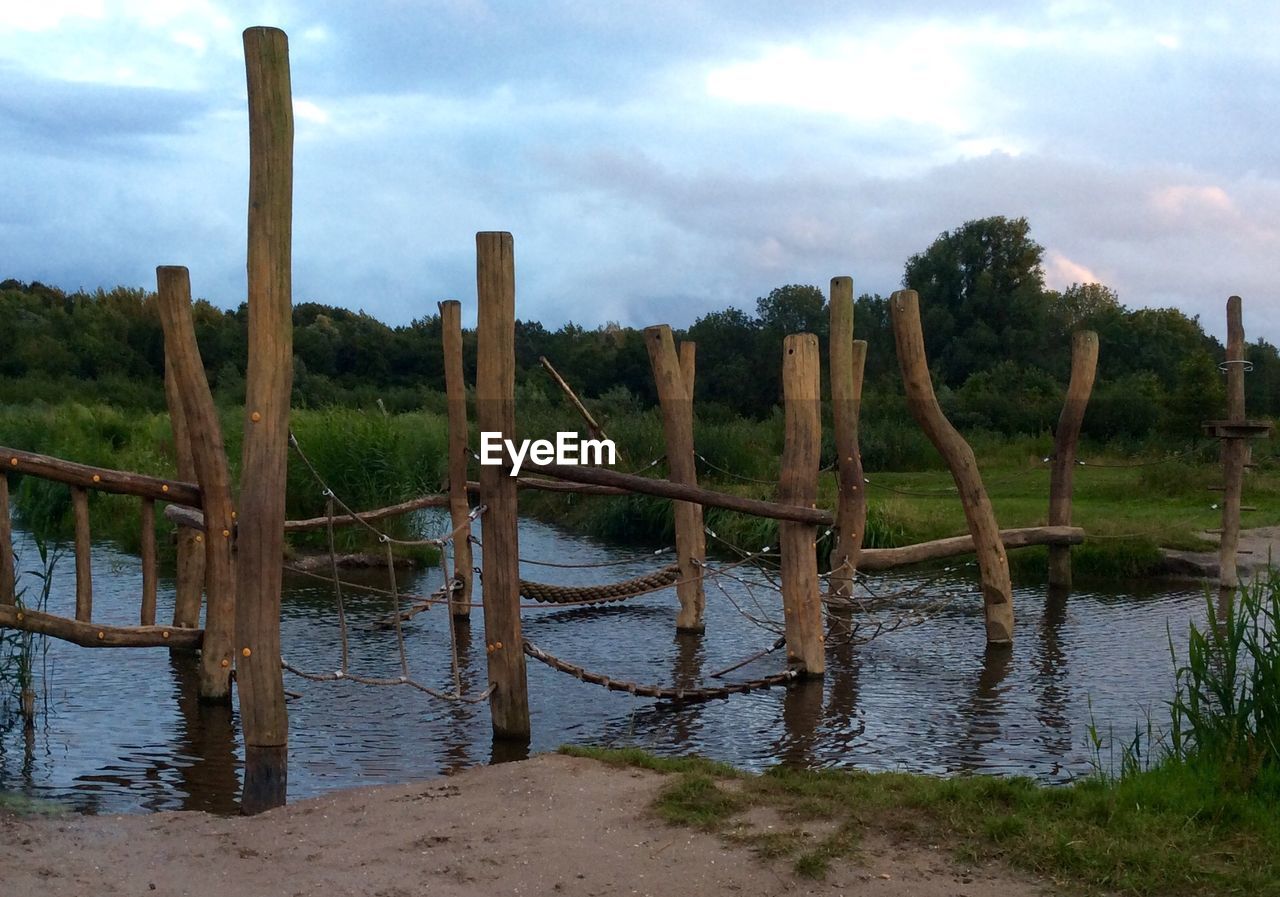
(552, 825)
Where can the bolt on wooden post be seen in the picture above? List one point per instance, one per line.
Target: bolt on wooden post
(993, 564)
(201, 429)
(847, 362)
(675, 399)
(1084, 365)
(495, 413)
(459, 506)
(268, 383)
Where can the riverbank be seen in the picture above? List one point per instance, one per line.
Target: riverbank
(555, 824)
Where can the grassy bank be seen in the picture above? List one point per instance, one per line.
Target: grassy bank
(1190, 812)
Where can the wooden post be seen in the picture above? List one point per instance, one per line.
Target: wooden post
(496, 413)
(997, 592)
(266, 427)
(847, 363)
(84, 549)
(798, 485)
(189, 583)
(1234, 450)
(677, 427)
(202, 431)
(688, 364)
(1084, 365)
(8, 576)
(459, 505)
(147, 614)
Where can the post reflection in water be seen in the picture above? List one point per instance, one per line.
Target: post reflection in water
(801, 716)
(463, 717)
(207, 734)
(1051, 674)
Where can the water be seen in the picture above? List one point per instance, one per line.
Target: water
(120, 730)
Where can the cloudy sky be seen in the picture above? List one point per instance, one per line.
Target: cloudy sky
(655, 160)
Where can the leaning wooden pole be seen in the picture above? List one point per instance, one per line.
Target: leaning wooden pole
(593, 426)
(1234, 449)
(459, 506)
(798, 485)
(266, 426)
(495, 413)
(847, 362)
(1084, 365)
(997, 591)
(189, 577)
(8, 575)
(677, 427)
(201, 428)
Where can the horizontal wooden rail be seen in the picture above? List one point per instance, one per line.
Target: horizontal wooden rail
(100, 478)
(92, 635)
(599, 476)
(342, 519)
(541, 484)
(888, 558)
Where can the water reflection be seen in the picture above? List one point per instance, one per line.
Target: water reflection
(122, 730)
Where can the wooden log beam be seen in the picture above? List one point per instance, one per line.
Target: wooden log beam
(847, 362)
(1234, 450)
(495, 413)
(203, 430)
(1084, 365)
(677, 429)
(188, 587)
(597, 431)
(455, 385)
(147, 612)
(84, 554)
(798, 485)
(101, 479)
(997, 590)
(396, 510)
(876, 559)
(8, 576)
(92, 635)
(266, 428)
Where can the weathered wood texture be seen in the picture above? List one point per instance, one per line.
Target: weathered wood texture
(203, 432)
(147, 550)
(84, 554)
(997, 592)
(597, 432)
(188, 586)
(91, 635)
(847, 363)
(495, 413)
(459, 504)
(1234, 450)
(396, 510)
(874, 559)
(100, 479)
(8, 576)
(688, 365)
(798, 485)
(1084, 365)
(628, 482)
(677, 428)
(266, 428)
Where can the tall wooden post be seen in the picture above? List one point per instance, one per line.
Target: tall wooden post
(997, 591)
(189, 583)
(1084, 365)
(8, 576)
(677, 427)
(197, 424)
(459, 504)
(495, 413)
(847, 363)
(1234, 450)
(798, 485)
(84, 550)
(266, 427)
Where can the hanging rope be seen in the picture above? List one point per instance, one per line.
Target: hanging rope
(614, 591)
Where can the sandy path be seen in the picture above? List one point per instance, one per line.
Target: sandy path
(552, 825)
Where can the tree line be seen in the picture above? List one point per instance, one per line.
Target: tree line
(998, 341)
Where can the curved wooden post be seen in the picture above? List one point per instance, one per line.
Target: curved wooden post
(496, 413)
(798, 485)
(202, 431)
(459, 505)
(847, 361)
(268, 383)
(1234, 450)
(997, 592)
(189, 582)
(8, 576)
(1084, 365)
(677, 428)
